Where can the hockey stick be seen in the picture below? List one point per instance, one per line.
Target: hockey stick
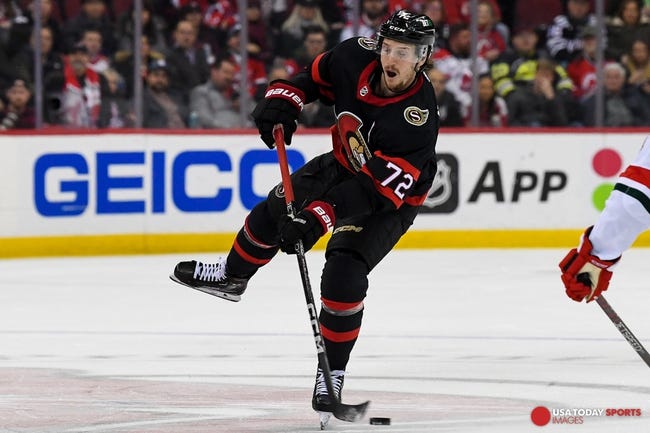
(623, 329)
(345, 412)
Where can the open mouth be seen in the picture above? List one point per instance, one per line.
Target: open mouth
(391, 74)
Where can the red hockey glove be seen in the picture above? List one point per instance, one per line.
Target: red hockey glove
(282, 103)
(584, 275)
(307, 225)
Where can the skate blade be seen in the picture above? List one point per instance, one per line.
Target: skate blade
(209, 290)
(324, 419)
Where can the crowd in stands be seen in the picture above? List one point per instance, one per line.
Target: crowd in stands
(536, 59)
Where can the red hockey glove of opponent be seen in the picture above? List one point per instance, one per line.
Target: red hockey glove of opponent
(307, 225)
(282, 103)
(584, 275)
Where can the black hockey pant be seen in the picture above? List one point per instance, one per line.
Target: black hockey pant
(357, 245)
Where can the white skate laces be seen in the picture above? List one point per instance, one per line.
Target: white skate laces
(337, 382)
(210, 271)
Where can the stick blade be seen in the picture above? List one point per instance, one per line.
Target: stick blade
(350, 412)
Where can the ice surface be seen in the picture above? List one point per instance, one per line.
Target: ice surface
(452, 341)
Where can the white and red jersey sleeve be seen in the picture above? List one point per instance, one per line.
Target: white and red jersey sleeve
(627, 211)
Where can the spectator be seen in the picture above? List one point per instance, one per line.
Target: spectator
(637, 63)
(456, 64)
(21, 31)
(520, 63)
(92, 40)
(124, 63)
(153, 27)
(334, 15)
(258, 32)
(161, 106)
(373, 14)
(92, 15)
(188, 63)
(10, 13)
(435, 9)
(490, 42)
(537, 15)
(493, 111)
(624, 28)
(458, 12)
(18, 113)
(52, 60)
(537, 102)
(624, 104)
(215, 102)
(75, 95)
(115, 111)
(563, 36)
(314, 44)
(220, 16)
(304, 13)
(206, 38)
(449, 108)
(256, 80)
(582, 69)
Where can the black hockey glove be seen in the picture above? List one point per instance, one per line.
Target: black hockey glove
(307, 225)
(282, 103)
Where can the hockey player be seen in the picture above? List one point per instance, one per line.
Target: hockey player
(368, 188)
(586, 270)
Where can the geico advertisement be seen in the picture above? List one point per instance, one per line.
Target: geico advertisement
(133, 183)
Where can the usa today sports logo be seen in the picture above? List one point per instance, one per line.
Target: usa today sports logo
(542, 415)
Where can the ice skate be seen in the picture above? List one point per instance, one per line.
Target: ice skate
(321, 402)
(210, 278)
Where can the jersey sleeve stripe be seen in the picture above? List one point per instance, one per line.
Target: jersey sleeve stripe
(315, 71)
(634, 193)
(638, 174)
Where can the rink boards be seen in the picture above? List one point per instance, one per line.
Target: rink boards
(107, 193)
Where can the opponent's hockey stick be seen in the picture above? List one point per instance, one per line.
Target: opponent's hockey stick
(623, 329)
(345, 412)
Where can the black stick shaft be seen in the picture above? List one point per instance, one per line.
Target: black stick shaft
(340, 410)
(624, 330)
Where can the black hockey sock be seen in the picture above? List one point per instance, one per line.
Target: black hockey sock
(340, 333)
(252, 248)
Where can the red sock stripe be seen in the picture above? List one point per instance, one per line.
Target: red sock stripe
(340, 306)
(638, 174)
(244, 255)
(339, 337)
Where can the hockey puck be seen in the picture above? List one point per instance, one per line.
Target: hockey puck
(379, 421)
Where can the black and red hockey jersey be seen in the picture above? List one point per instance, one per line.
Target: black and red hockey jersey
(388, 142)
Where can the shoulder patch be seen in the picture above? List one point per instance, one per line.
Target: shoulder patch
(416, 116)
(367, 43)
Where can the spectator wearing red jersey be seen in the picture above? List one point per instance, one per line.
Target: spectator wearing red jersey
(256, 81)
(490, 41)
(582, 69)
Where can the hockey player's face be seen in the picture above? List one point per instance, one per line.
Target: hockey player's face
(399, 62)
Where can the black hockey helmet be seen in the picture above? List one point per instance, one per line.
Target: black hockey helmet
(409, 27)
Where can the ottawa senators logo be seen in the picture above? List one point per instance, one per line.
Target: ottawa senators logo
(354, 144)
(416, 116)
